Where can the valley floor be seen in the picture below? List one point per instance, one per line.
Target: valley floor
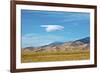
(27, 57)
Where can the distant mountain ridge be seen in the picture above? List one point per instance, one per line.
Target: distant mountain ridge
(84, 40)
(55, 43)
(83, 43)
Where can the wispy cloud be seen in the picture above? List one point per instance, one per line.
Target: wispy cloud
(50, 28)
(36, 40)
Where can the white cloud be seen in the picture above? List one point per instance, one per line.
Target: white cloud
(50, 28)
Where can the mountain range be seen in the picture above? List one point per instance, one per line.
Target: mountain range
(80, 44)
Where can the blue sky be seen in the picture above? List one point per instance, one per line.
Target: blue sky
(43, 27)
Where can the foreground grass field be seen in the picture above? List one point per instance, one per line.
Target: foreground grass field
(54, 56)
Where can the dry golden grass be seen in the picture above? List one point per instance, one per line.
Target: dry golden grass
(54, 56)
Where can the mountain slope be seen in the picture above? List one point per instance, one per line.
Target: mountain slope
(84, 40)
(81, 44)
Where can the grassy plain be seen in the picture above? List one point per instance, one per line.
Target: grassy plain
(27, 57)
